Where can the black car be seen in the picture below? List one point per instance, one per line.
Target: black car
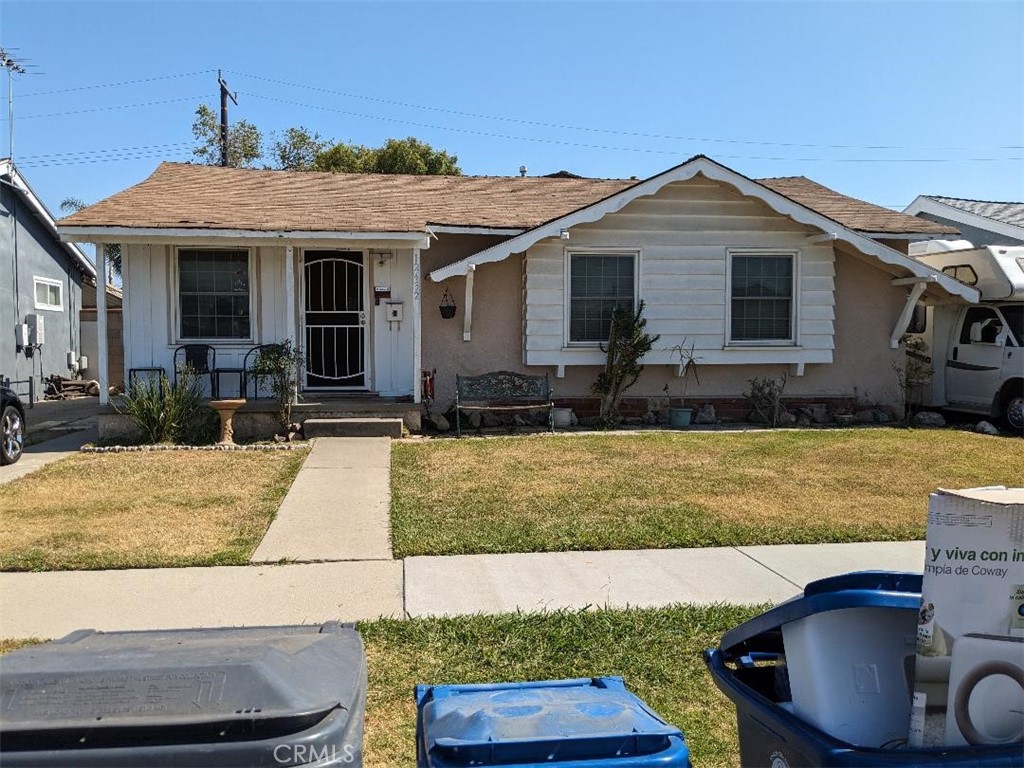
(12, 426)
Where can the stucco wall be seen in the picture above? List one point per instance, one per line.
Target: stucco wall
(28, 250)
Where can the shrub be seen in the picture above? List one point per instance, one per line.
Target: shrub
(627, 344)
(166, 413)
(281, 363)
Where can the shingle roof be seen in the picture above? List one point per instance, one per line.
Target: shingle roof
(1005, 213)
(851, 212)
(179, 195)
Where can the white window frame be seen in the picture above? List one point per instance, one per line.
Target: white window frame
(567, 254)
(794, 309)
(176, 296)
(47, 281)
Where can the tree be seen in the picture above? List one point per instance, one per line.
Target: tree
(112, 251)
(245, 142)
(409, 155)
(298, 149)
(628, 342)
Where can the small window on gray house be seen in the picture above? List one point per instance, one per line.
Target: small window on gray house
(598, 283)
(49, 294)
(761, 296)
(213, 294)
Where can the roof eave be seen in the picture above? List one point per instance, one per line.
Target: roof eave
(119, 234)
(926, 204)
(710, 169)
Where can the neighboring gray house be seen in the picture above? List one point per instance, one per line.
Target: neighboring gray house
(981, 221)
(41, 282)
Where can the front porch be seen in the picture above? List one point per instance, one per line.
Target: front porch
(258, 419)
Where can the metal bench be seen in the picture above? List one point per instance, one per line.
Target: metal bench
(503, 391)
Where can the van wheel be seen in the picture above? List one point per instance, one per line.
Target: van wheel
(12, 435)
(1013, 411)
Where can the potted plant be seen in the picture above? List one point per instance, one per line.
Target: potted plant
(682, 415)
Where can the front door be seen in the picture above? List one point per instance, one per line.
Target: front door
(335, 320)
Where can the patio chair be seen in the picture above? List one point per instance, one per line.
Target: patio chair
(247, 364)
(200, 360)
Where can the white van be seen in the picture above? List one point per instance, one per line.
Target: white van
(977, 351)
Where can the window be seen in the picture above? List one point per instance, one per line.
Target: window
(213, 294)
(598, 283)
(963, 272)
(761, 298)
(982, 325)
(49, 294)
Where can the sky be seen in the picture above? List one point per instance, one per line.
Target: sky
(881, 101)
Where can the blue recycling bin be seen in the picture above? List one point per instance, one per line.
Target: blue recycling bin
(830, 625)
(585, 723)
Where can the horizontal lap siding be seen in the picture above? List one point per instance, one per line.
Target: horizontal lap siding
(683, 234)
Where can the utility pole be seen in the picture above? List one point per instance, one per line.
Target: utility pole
(225, 94)
(13, 68)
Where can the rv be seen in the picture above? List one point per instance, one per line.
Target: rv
(977, 351)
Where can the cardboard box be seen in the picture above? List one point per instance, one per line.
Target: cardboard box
(969, 671)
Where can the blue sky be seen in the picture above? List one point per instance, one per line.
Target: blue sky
(881, 101)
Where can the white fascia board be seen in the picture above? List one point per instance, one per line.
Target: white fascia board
(925, 204)
(716, 172)
(19, 183)
(445, 229)
(155, 234)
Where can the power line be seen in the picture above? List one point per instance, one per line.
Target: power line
(560, 142)
(561, 126)
(114, 85)
(91, 152)
(119, 106)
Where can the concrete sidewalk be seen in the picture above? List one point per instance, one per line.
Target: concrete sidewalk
(452, 586)
(39, 455)
(49, 605)
(337, 507)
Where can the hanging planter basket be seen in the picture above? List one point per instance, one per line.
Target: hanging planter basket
(447, 306)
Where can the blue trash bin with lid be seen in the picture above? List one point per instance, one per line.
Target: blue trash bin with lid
(585, 723)
(754, 667)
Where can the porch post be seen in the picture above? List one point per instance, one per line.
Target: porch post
(417, 325)
(101, 321)
(289, 305)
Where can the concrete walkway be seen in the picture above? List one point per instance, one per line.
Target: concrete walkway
(39, 455)
(337, 507)
(452, 586)
(50, 605)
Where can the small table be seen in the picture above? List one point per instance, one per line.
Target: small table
(226, 410)
(133, 372)
(241, 380)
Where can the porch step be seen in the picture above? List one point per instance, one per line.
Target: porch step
(365, 427)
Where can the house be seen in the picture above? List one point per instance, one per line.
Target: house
(980, 221)
(769, 277)
(41, 285)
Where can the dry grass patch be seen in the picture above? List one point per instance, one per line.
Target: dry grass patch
(664, 489)
(143, 510)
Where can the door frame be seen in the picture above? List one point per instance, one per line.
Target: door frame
(367, 385)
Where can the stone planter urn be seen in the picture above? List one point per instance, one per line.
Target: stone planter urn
(226, 410)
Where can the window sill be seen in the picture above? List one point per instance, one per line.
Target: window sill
(47, 308)
(748, 347)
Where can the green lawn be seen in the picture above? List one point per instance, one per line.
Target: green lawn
(658, 652)
(670, 489)
(143, 510)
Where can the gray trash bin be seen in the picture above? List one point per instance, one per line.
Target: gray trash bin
(268, 696)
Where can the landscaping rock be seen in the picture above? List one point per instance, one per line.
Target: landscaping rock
(929, 419)
(518, 421)
(985, 428)
(489, 419)
(787, 419)
(474, 419)
(866, 416)
(438, 422)
(705, 414)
